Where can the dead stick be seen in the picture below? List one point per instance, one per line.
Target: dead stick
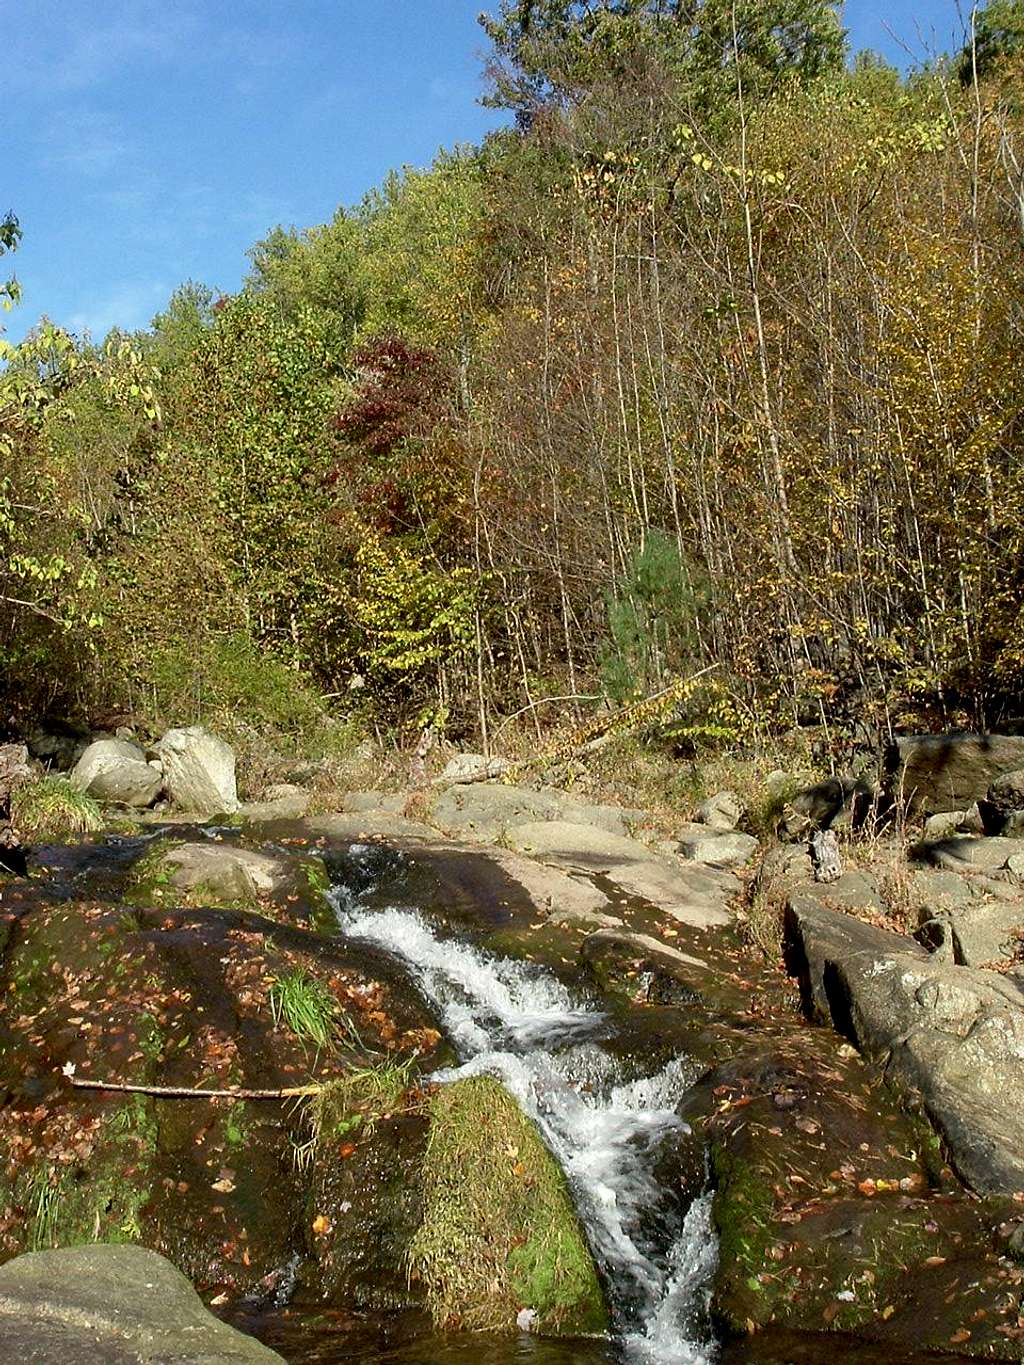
(182, 1092)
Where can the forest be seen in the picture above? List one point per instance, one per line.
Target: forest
(699, 380)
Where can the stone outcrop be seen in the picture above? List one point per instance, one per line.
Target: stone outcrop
(722, 849)
(486, 811)
(199, 771)
(721, 812)
(933, 773)
(466, 768)
(952, 1035)
(116, 770)
(113, 1305)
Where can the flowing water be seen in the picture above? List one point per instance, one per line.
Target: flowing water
(608, 1124)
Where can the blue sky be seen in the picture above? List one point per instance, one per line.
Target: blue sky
(152, 141)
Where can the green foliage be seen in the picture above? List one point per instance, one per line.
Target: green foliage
(499, 1231)
(561, 49)
(652, 620)
(997, 36)
(53, 808)
(231, 677)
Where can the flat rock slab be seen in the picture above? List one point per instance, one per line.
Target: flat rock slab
(577, 845)
(695, 896)
(486, 811)
(368, 825)
(390, 803)
(279, 808)
(954, 1035)
(968, 853)
(113, 1305)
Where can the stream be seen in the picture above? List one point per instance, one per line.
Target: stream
(606, 1127)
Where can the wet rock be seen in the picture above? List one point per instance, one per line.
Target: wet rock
(952, 1035)
(933, 773)
(116, 770)
(468, 767)
(182, 998)
(199, 771)
(113, 1305)
(630, 964)
(721, 812)
(717, 850)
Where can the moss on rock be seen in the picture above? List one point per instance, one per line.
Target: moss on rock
(499, 1231)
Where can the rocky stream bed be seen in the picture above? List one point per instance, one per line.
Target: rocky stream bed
(562, 1103)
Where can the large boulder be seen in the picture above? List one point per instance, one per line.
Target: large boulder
(113, 1305)
(951, 1035)
(199, 771)
(721, 812)
(933, 773)
(116, 770)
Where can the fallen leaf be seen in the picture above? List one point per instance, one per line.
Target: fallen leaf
(223, 1186)
(321, 1225)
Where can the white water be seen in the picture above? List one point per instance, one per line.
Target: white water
(522, 1025)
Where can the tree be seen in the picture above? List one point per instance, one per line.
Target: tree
(997, 33)
(555, 51)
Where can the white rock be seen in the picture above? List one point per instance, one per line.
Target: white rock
(116, 770)
(199, 771)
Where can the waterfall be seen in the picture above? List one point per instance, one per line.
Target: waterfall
(606, 1128)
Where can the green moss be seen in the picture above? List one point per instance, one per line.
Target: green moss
(742, 1214)
(499, 1231)
(149, 883)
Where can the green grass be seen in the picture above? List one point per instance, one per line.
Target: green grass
(354, 1103)
(499, 1231)
(53, 808)
(45, 1197)
(300, 1002)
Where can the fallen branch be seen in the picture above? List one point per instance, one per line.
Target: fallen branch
(183, 1092)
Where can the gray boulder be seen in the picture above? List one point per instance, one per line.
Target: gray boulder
(116, 770)
(951, 1035)
(933, 773)
(721, 812)
(486, 811)
(944, 825)
(113, 1305)
(1006, 793)
(199, 771)
(465, 768)
(225, 872)
(717, 850)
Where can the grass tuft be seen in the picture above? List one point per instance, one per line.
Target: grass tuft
(499, 1231)
(305, 1006)
(53, 808)
(354, 1103)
